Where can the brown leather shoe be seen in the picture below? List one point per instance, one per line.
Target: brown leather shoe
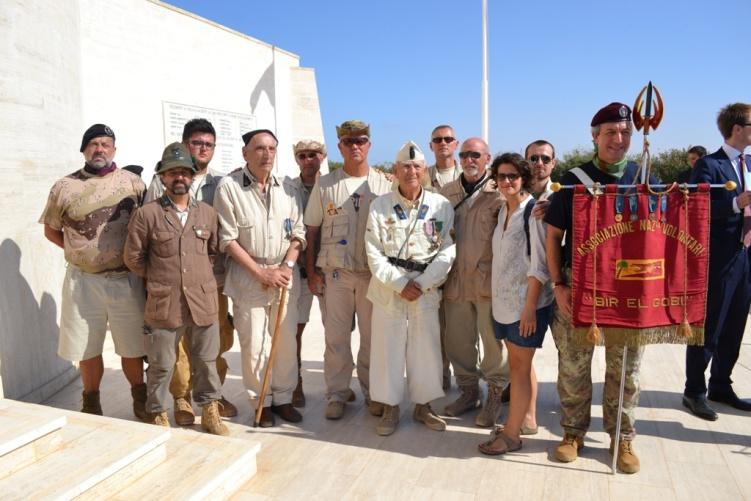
(287, 412)
(568, 449)
(91, 404)
(226, 408)
(138, 392)
(375, 408)
(183, 410)
(267, 418)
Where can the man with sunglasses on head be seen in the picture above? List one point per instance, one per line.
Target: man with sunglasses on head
(200, 138)
(309, 154)
(443, 144)
(337, 268)
(467, 292)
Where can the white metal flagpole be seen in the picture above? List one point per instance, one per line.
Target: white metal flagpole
(485, 70)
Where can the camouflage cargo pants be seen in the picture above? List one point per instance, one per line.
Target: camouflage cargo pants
(575, 383)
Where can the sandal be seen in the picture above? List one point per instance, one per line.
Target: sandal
(511, 445)
(524, 431)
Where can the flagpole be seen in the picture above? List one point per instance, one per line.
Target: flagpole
(485, 70)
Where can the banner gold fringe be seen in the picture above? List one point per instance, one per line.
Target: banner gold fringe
(617, 336)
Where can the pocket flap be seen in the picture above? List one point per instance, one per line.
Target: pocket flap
(158, 290)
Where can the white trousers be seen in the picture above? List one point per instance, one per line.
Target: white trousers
(413, 340)
(255, 327)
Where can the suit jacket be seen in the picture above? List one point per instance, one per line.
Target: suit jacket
(176, 262)
(725, 226)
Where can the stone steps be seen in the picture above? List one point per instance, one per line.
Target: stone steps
(56, 454)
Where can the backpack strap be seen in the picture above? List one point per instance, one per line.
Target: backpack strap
(528, 212)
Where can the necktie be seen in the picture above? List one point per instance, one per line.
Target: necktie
(747, 209)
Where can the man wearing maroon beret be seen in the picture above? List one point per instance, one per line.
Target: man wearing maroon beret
(611, 135)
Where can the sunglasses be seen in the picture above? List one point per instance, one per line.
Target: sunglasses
(470, 154)
(308, 155)
(510, 177)
(543, 158)
(359, 141)
(443, 139)
(202, 144)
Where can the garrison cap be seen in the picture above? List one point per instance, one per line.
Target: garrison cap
(614, 112)
(410, 152)
(352, 128)
(96, 130)
(249, 135)
(175, 156)
(309, 145)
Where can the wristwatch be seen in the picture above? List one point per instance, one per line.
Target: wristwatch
(290, 264)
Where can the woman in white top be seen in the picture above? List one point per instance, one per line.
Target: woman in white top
(521, 297)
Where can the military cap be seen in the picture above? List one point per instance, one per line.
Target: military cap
(352, 128)
(249, 135)
(309, 145)
(410, 152)
(614, 112)
(96, 130)
(175, 156)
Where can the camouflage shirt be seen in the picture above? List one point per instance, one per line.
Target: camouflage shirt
(93, 212)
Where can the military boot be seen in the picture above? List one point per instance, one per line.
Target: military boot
(628, 461)
(157, 418)
(298, 397)
(389, 420)
(470, 399)
(568, 449)
(211, 421)
(91, 404)
(183, 410)
(425, 415)
(138, 392)
(492, 409)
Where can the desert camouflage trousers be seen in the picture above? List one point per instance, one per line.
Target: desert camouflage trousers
(575, 383)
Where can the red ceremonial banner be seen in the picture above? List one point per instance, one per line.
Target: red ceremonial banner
(640, 261)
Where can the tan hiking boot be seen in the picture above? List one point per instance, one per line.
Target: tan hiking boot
(226, 408)
(211, 421)
(568, 449)
(491, 411)
(389, 420)
(425, 415)
(375, 408)
(628, 461)
(91, 404)
(183, 410)
(157, 418)
(298, 397)
(334, 409)
(470, 399)
(138, 392)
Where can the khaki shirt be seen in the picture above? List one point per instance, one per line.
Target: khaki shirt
(263, 224)
(93, 213)
(419, 232)
(342, 217)
(474, 222)
(433, 174)
(176, 262)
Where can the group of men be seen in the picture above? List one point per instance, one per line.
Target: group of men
(406, 258)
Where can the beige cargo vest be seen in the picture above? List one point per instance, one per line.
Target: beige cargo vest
(345, 218)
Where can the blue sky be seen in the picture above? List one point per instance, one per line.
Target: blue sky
(406, 66)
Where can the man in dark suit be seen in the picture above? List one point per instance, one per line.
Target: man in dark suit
(729, 291)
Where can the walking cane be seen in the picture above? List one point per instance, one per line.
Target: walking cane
(267, 372)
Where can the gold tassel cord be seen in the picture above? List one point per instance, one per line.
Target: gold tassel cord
(684, 330)
(593, 334)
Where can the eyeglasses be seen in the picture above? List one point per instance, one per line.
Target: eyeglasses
(359, 141)
(308, 155)
(544, 158)
(443, 139)
(510, 177)
(470, 154)
(202, 144)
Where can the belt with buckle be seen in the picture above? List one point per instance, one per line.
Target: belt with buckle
(408, 264)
